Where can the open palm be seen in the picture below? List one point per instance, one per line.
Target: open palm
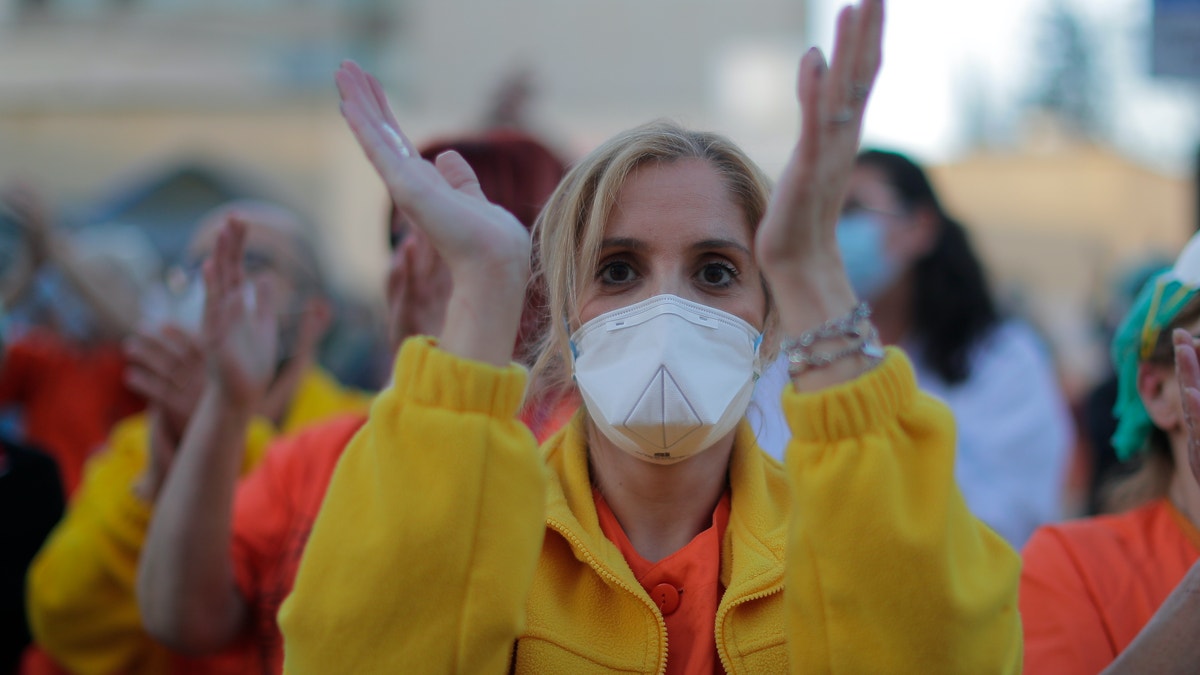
(442, 198)
(1187, 372)
(240, 331)
(799, 226)
(486, 249)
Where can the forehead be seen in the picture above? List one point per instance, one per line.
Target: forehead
(682, 200)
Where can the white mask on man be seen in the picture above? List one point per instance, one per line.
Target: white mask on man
(666, 378)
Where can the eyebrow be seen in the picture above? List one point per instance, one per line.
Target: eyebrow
(623, 242)
(704, 245)
(710, 244)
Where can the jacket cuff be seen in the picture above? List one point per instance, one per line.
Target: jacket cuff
(853, 408)
(429, 376)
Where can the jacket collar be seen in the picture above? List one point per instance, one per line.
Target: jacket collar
(753, 551)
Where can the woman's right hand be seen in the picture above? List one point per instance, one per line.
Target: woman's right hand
(486, 249)
(1187, 373)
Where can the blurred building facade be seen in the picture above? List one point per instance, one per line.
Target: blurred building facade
(100, 98)
(120, 109)
(1059, 220)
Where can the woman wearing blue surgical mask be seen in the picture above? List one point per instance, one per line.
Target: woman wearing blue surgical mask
(929, 295)
(652, 535)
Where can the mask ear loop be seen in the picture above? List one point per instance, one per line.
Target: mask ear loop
(758, 366)
(571, 344)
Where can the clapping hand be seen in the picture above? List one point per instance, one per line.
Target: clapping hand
(796, 243)
(166, 366)
(1187, 372)
(486, 249)
(240, 332)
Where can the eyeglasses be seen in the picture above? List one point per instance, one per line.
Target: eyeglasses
(255, 263)
(853, 207)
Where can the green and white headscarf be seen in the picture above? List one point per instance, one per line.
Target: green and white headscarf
(1156, 306)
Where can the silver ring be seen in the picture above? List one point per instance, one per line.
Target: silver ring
(843, 116)
(859, 92)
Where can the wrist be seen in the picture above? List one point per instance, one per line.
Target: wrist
(808, 295)
(483, 313)
(229, 405)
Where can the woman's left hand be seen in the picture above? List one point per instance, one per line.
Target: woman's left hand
(796, 244)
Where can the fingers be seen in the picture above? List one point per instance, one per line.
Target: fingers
(856, 58)
(870, 55)
(148, 384)
(812, 71)
(1187, 366)
(841, 66)
(388, 116)
(458, 173)
(365, 106)
(1187, 372)
(223, 279)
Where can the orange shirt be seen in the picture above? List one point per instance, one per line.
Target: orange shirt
(686, 585)
(1088, 587)
(274, 511)
(70, 398)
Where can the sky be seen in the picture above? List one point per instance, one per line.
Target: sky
(938, 53)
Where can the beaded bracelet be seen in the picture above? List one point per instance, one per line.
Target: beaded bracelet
(854, 326)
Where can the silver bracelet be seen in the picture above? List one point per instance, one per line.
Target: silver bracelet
(854, 326)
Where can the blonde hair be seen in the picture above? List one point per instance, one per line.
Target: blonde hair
(570, 230)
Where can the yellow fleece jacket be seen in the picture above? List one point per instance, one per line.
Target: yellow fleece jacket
(447, 543)
(82, 607)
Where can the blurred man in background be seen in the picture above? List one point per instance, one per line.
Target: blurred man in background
(81, 586)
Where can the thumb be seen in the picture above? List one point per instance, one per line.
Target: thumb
(458, 173)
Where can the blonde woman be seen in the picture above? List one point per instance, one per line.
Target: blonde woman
(651, 534)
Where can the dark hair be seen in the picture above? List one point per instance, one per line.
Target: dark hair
(953, 309)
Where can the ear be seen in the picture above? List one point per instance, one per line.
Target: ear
(1160, 395)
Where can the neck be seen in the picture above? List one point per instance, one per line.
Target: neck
(892, 312)
(660, 507)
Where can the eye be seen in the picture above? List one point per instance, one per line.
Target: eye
(616, 273)
(718, 274)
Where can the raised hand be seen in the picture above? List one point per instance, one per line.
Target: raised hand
(486, 249)
(421, 285)
(796, 244)
(240, 332)
(166, 366)
(1187, 372)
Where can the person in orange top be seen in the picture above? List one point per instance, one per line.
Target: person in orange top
(274, 507)
(1121, 593)
(82, 605)
(71, 395)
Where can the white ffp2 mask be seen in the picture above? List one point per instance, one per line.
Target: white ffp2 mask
(666, 378)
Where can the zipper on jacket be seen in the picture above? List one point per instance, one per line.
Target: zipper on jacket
(610, 576)
(725, 662)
